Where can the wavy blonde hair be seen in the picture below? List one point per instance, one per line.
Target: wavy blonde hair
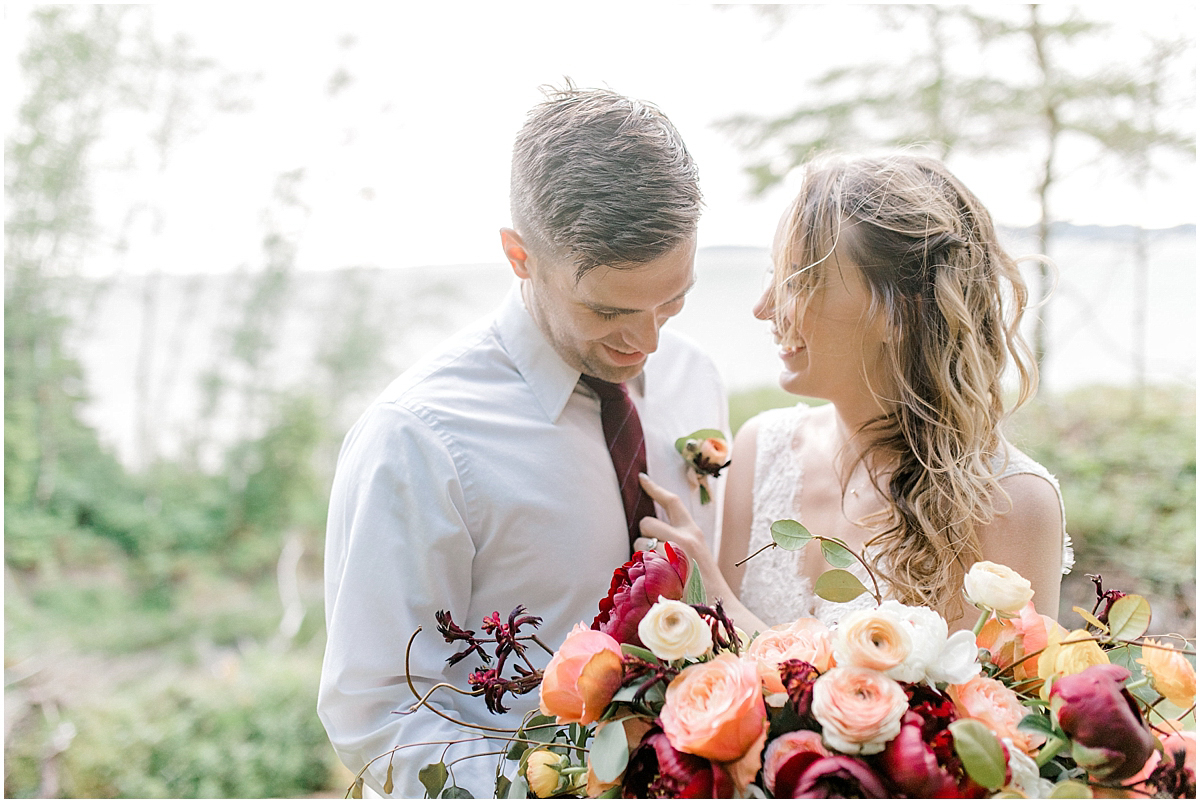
(951, 301)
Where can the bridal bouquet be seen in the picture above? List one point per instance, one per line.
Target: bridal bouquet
(663, 696)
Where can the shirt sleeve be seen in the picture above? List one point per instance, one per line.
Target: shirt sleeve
(397, 550)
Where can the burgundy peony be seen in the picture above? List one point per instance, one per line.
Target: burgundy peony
(1099, 715)
(912, 765)
(635, 587)
(658, 770)
(835, 776)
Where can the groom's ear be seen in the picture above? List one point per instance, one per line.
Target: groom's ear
(515, 252)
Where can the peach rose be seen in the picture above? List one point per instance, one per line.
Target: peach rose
(871, 639)
(1009, 639)
(859, 709)
(1172, 674)
(715, 710)
(995, 705)
(804, 639)
(582, 676)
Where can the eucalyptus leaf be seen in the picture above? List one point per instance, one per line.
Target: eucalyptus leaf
(387, 783)
(457, 793)
(610, 751)
(638, 652)
(433, 778)
(981, 752)
(1071, 790)
(837, 555)
(1038, 723)
(695, 594)
(839, 585)
(698, 435)
(1129, 617)
(790, 534)
(519, 790)
(502, 787)
(517, 750)
(356, 791)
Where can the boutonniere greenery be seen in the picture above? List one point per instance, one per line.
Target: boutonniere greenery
(706, 454)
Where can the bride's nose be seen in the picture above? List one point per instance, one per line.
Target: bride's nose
(764, 309)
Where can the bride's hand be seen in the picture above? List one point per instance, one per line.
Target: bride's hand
(679, 529)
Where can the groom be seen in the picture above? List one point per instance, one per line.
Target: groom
(482, 478)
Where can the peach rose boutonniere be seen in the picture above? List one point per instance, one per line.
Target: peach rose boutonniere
(706, 453)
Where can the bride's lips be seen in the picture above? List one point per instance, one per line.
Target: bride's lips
(622, 358)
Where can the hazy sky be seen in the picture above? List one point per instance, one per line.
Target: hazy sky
(408, 163)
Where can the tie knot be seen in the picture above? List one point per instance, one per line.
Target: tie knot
(607, 391)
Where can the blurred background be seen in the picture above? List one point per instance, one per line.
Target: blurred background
(228, 229)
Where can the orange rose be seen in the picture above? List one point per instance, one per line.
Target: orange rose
(806, 640)
(995, 705)
(872, 639)
(715, 709)
(582, 677)
(1172, 674)
(859, 709)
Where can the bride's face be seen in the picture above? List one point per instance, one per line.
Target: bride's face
(830, 339)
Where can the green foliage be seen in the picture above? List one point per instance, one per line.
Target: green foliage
(251, 734)
(748, 403)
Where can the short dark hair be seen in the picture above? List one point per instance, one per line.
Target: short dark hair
(602, 179)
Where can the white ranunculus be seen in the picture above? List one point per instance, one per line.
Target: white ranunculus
(673, 630)
(994, 587)
(1026, 778)
(958, 661)
(927, 632)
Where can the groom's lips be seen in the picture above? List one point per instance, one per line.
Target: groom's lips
(623, 359)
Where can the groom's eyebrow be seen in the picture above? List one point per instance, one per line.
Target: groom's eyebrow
(624, 311)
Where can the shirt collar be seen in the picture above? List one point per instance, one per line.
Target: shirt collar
(548, 376)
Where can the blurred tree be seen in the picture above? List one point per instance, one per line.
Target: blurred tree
(949, 100)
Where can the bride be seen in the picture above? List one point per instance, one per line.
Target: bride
(892, 299)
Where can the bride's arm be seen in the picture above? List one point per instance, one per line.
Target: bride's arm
(720, 577)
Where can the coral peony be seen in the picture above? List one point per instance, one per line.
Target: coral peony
(872, 639)
(805, 640)
(859, 709)
(1096, 711)
(995, 587)
(582, 676)
(634, 589)
(715, 709)
(994, 704)
(1172, 674)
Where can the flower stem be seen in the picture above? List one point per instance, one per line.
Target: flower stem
(983, 617)
(1049, 751)
(771, 545)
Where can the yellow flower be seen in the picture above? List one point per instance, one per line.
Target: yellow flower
(542, 772)
(1172, 674)
(1062, 657)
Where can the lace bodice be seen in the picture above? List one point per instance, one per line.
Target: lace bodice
(773, 585)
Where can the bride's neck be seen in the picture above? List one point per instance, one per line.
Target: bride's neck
(851, 442)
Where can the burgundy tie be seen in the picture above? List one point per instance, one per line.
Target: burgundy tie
(627, 446)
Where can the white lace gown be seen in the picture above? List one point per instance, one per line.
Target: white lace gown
(773, 586)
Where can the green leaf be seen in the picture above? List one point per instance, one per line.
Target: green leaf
(502, 786)
(837, 555)
(387, 783)
(517, 750)
(457, 793)
(610, 751)
(433, 778)
(790, 534)
(519, 790)
(1039, 723)
(695, 594)
(1129, 617)
(981, 752)
(638, 652)
(698, 435)
(1091, 620)
(1071, 789)
(838, 585)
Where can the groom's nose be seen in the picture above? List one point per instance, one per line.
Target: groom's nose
(642, 332)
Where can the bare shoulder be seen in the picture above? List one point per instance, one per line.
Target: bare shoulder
(1026, 535)
(1033, 504)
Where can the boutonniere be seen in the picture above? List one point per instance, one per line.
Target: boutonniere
(705, 452)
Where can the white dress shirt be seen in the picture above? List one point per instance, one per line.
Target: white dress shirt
(479, 481)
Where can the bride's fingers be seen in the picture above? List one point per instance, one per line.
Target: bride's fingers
(677, 512)
(644, 544)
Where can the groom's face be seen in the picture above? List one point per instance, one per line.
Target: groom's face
(606, 324)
